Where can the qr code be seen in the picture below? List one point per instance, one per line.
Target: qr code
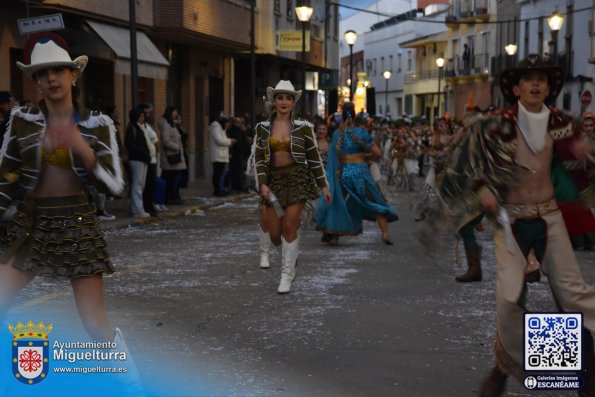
(553, 341)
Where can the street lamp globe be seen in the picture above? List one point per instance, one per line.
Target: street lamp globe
(350, 37)
(555, 21)
(304, 13)
(387, 74)
(440, 62)
(511, 49)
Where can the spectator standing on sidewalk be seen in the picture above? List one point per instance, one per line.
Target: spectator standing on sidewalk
(172, 159)
(153, 145)
(219, 145)
(237, 161)
(139, 157)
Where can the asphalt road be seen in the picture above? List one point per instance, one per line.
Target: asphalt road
(365, 319)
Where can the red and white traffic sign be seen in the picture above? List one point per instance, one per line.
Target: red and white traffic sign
(586, 98)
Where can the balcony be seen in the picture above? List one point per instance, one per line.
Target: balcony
(478, 65)
(467, 11)
(423, 75)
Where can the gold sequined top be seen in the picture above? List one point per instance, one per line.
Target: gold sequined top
(280, 145)
(58, 157)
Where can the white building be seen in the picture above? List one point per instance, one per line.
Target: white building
(573, 45)
(383, 53)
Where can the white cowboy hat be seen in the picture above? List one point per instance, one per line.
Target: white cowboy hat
(283, 87)
(46, 54)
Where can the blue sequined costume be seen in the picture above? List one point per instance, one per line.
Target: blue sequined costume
(355, 194)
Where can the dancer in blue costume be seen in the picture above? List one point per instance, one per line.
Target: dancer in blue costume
(355, 195)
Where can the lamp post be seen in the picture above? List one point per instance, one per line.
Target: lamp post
(350, 36)
(440, 64)
(555, 21)
(386, 75)
(304, 13)
(510, 50)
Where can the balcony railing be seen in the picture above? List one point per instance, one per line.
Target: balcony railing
(469, 8)
(423, 75)
(478, 64)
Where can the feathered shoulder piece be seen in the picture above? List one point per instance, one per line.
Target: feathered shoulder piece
(264, 124)
(97, 119)
(30, 114)
(484, 158)
(301, 123)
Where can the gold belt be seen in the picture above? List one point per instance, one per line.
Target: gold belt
(350, 160)
(528, 211)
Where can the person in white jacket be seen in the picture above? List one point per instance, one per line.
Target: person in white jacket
(219, 145)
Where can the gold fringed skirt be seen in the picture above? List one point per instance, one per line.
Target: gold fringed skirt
(57, 237)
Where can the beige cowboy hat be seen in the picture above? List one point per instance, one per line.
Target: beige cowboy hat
(533, 62)
(48, 50)
(283, 87)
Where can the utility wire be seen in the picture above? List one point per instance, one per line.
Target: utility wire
(455, 22)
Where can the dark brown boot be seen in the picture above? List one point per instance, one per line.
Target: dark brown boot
(493, 385)
(474, 264)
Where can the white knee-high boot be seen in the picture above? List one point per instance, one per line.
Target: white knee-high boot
(131, 381)
(265, 249)
(289, 254)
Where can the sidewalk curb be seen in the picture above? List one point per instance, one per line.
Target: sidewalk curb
(184, 211)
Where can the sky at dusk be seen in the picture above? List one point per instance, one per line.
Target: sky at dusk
(345, 12)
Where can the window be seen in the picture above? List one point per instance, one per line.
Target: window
(485, 37)
(390, 63)
(290, 10)
(409, 60)
(408, 104)
(382, 68)
(369, 67)
(399, 62)
(526, 40)
(336, 23)
(380, 109)
(277, 8)
(399, 106)
(375, 70)
(316, 31)
(540, 36)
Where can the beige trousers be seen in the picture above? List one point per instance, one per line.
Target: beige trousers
(570, 291)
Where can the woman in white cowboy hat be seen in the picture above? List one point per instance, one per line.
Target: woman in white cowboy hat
(288, 169)
(49, 153)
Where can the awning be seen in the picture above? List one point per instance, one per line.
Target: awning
(151, 63)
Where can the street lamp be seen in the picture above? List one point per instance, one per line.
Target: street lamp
(386, 75)
(440, 64)
(304, 13)
(555, 21)
(511, 49)
(350, 36)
